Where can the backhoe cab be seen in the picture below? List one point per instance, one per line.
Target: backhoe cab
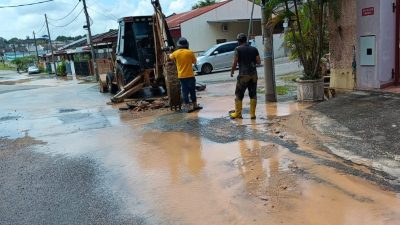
(141, 54)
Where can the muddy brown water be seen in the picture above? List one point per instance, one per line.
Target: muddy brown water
(252, 182)
(192, 180)
(176, 177)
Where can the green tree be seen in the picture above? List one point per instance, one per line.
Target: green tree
(307, 36)
(61, 38)
(68, 38)
(203, 3)
(23, 62)
(309, 32)
(13, 40)
(78, 37)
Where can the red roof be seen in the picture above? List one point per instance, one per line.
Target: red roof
(175, 21)
(110, 36)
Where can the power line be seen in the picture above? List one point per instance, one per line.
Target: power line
(76, 17)
(65, 15)
(44, 23)
(103, 14)
(91, 21)
(28, 4)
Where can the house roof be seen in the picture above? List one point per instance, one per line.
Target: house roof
(175, 21)
(74, 44)
(110, 36)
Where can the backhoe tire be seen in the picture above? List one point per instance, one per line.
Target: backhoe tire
(125, 74)
(103, 88)
(112, 88)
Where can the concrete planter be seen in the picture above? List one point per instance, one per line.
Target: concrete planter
(310, 90)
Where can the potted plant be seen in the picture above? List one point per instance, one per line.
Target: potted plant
(307, 41)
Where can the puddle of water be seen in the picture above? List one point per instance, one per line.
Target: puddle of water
(184, 179)
(187, 179)
(284, 108)
(220, 106)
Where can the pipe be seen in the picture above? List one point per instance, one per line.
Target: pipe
(397, 46)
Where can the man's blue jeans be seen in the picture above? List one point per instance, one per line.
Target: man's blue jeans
(188, 86)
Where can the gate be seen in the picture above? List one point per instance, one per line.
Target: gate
(82, 68)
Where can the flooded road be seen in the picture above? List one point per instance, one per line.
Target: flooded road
(76, 160)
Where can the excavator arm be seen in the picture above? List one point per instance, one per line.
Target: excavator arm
(165, 69)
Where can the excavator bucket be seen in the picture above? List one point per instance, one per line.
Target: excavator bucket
(173, 85)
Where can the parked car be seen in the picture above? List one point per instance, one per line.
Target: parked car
(33, 69)
(218, 57)
(215, 58)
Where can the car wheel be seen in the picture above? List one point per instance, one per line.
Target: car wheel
(206, 68)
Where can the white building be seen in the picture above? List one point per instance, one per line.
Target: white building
(214, 24)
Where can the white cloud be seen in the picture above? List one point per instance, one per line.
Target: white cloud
(177, 5)
(180, 5)
(20, 22)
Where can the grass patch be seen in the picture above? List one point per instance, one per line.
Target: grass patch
(291, 77)
(282, 90)
(260, 91)
(5, 67)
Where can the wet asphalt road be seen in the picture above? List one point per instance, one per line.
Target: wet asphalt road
(38, 188)
(68, 158)
(43, 185)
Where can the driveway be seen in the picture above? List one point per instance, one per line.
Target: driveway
(282, 67)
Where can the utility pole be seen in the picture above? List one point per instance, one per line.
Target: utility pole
(269, 76)
(90, 41)
(51, 46)
(15, 54)
(250, 30)
(37, 54)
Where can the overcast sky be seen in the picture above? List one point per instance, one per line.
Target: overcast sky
(21, 22)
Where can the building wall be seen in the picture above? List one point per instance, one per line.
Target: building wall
(347, 32)
(342, 40)
(279, 51)
(203, 31)
(387, 42)
(381, 24)
(367, 76)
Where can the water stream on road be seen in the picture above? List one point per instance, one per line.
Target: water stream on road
(201, 168)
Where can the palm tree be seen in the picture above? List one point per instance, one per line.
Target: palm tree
(203, 3)
(307, 34)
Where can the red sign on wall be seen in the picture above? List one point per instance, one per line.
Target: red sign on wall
(368, 11)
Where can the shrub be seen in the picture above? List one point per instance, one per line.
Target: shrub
(42, 69)
(62, 69)
(23, 62)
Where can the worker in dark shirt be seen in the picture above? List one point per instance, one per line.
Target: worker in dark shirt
(247, 57)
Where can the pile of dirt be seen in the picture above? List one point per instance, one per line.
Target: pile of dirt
(140, 105)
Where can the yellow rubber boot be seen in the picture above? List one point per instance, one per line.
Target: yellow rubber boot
(238, 110)
(253, 105)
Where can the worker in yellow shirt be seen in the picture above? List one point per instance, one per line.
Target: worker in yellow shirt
(184, 58)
